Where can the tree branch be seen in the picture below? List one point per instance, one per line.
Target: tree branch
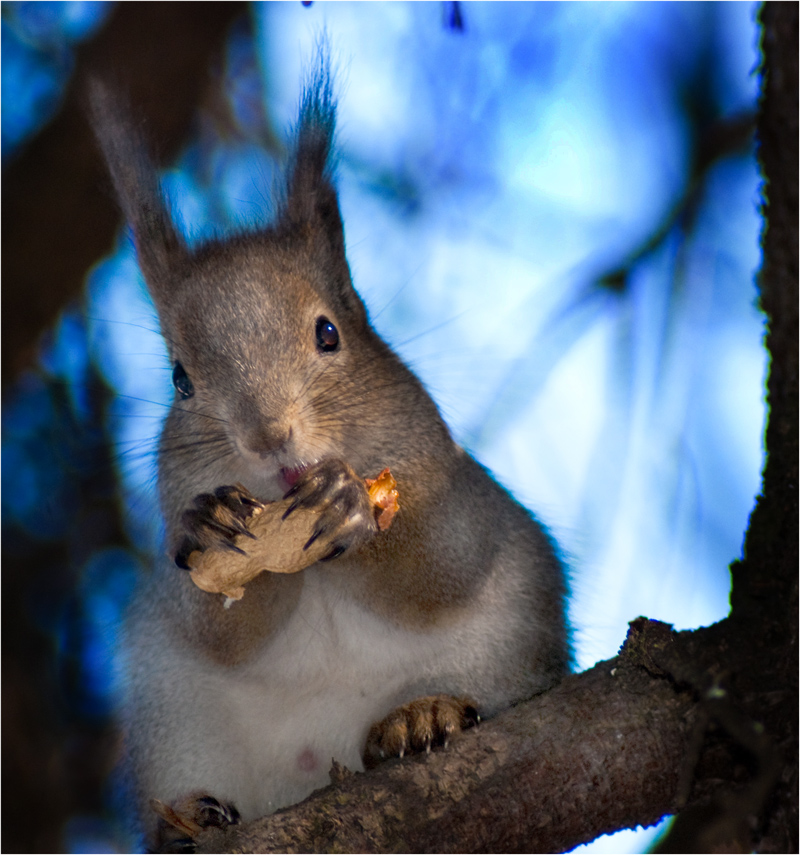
(601, 751)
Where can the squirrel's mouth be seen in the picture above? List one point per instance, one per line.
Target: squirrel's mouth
(290, 475)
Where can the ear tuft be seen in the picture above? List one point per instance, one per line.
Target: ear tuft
(158, 246)
(311, 197)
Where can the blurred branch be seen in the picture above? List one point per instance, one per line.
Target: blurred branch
(715, 141)
(56, 224)
(58, 758)
(719, 140)
(453, 15)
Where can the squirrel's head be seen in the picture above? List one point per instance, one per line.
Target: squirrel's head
(275, 365)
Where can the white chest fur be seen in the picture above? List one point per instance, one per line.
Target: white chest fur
(263, 735)
(312, 695)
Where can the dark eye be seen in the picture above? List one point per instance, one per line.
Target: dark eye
(327, 335)
(181, 381)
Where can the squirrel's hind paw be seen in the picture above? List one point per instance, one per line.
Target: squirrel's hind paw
(180, 822)
(417, 726)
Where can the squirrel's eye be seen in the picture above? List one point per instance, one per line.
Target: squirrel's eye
(327, 335)
(181, 381)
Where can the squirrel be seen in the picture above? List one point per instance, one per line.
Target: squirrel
(396, 639)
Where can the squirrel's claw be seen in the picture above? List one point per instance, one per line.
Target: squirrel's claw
(335, 491)
(419, 726)
(216, 520)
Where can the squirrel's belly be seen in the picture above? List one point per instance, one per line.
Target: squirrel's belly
(263, 734)
(286, 744)
(310, 698)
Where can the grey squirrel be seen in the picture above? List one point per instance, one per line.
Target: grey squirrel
(282, 386)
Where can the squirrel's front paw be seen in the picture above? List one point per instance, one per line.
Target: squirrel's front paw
(346, 515)
(180, 822)
(418, 726)
(215, 520)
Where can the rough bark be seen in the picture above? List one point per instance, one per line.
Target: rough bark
(702, 723)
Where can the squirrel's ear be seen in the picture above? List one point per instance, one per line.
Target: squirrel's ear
(312, 206)
(158, 246)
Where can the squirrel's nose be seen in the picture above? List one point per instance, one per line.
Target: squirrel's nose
(267, 437)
